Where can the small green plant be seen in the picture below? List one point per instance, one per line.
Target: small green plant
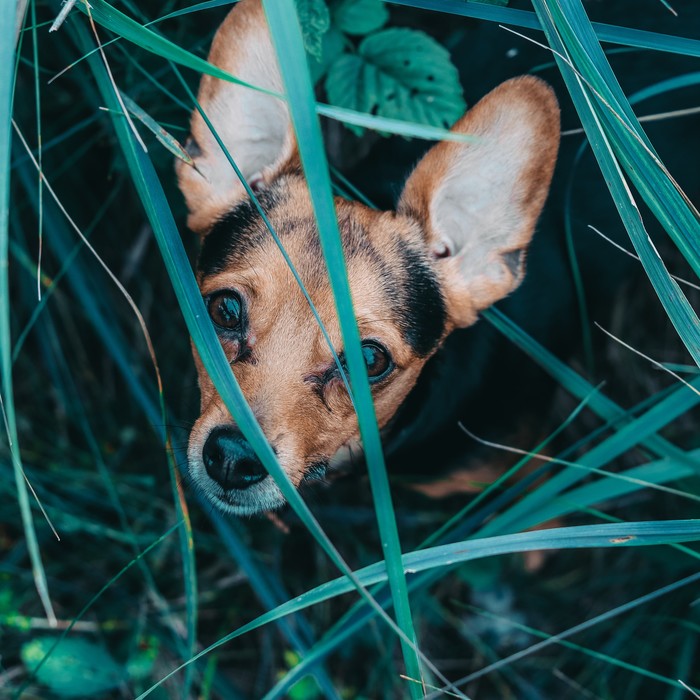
(392, 72)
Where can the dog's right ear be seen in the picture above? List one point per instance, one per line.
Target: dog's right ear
(254, 127)
(478, 202)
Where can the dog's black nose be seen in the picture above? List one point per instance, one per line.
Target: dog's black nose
(230, 460)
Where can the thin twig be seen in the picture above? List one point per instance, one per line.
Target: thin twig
(659, 365)
(636, 257)
(61, 18)
(656, 117)
(117, 93)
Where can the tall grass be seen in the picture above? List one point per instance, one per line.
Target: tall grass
(97, 434)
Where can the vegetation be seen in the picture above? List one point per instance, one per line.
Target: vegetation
(117, 581)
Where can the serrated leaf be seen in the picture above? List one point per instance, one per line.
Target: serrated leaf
(400, 74)
(332, 45)
(359, 17)
(315, 20)
(76, 668)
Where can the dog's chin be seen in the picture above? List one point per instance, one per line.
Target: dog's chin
(253, 501)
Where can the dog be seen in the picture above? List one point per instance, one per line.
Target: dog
(420, 274)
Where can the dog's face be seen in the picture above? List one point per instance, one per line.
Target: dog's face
(455, 245)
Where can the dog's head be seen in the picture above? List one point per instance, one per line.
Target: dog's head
(455, 245)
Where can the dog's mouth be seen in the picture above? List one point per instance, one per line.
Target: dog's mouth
(258, 499)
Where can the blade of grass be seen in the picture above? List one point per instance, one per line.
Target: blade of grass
(673, 209)
(576, 385)
(586, 536)
(610, 614)
(37, 98)
(525, 513)
(8, 18)
(527, 19)
(166, 139)
(287, 39)
(560, 640)
(607, 489)
(607, 149)
(186, 539)
(110, 18)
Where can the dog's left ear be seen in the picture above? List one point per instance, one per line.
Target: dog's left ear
(254, 126)
(478, 202)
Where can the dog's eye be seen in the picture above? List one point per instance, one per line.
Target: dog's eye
(377, 359)
(226, 309)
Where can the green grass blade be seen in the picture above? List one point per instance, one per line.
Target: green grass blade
(609, 615)
(287, 38)
(679, 217)
(575, 384)
(166, 139)
(608, 489)
(526, 512)
(672, 298)
(586, 536)
(186, 540)
(8, 18)
(524, 18)
(560, 640)
(129, 29)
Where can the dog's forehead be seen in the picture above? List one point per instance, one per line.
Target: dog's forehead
(391, 280)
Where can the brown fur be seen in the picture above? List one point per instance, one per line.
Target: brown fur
(305, 420)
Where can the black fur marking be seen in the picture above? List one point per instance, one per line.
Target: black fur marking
(236, 233)
(355, 239)
(421, 314)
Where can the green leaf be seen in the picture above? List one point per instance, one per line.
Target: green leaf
(315, 20)
(140, 665)
(401, 74)
(306, 688)
(359, 16)
(332, 45)
(78, 668)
